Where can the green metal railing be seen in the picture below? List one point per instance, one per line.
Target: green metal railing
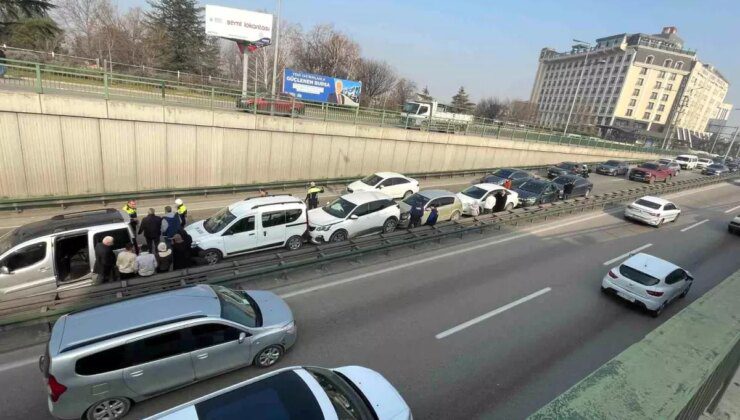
(50, 78)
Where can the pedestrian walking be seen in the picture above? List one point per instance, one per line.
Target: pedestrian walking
(312, 195)
(182, 212)
(507, 183)
(489, 203)
(146, 262)
(567, 190)
(170, 225)
(2, 63)
(150, 227)
(164, 258)
(126, 262)
(130, 209)
(180, 253)
(105, 260)
(433, 215)
(416, 213)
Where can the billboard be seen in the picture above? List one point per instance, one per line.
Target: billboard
(239, 25)
(318, 88)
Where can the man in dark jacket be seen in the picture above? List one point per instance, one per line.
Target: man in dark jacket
(416, 213)
(150, 227)
(105, 260)
(180, 253)
(170, 225)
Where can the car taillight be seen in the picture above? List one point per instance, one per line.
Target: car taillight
(612, 275)
(653, 214)
(654, 293)
(55, 388)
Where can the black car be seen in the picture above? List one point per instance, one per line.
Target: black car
(733, 166)
(537, 191)
(517, 177)
(581, 186)
(566, 168)
(715, 169)
(613, 168)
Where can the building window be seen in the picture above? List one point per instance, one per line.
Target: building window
(633, 102)
(649, 59)
(654, 95)
(624, 69)
(667, 62)
(611, 60)
(664, 97)
(661, 75)
(646, 116)
(611, 110)
(636, 92)
(661, 108)
(614, 100)
(669, 86)
(679, 65)
(658, 85)
(609, 91)
(614, 79)
(640, 81)
(657, 117)
(603, 110)
(650, 105)
(644, 70)
(621, 80)
(628, 113)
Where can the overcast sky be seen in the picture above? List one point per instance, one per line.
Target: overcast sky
(491, 48)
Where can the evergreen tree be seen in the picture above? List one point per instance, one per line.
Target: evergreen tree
(177, 35)
(461, 101)
(18, 12)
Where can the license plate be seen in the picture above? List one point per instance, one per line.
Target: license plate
(625, 296)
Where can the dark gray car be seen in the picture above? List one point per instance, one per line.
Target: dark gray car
(537, 191)
(613, 168)
(499, 176)
(715, 169)
(581, 187)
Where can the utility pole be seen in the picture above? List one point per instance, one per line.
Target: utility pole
(245, 71)
(578, 85)
(277, 45)
(732, 143)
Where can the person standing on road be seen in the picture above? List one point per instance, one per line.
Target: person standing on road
(105, 260)
(146, 263)
(130, 209)
(433, 215)
(312, 195)
(180, 253)
(170, 225)
(507, 183)
(182, 212)
(150, 227)
(416, 213)
(567, 190)
(126, 262)
(489, 204)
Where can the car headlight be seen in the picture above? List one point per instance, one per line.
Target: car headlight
(290, 328)
(404, 216)
(323, 228)
(529, 199)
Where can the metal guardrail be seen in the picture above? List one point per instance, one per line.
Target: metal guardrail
(56, 303)
(49, 78)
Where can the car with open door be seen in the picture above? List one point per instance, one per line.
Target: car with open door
(475, 196)
(448, 206)
(537, 191)
(582, 187)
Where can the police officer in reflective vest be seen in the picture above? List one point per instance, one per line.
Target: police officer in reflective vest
(182, 211)
(130, 209)
(312, 196)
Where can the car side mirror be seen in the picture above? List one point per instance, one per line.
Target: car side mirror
(242, 337)
(354, 217)
(4, 270)
(688, 275)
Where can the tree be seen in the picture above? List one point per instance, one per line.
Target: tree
(377, 79)
(327, 51)
(13, 12)
(523, 111)
(491, 108)
(34, 34)
(461, 101)
(402, 92)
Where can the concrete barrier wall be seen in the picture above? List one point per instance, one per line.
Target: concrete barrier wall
(55, 145)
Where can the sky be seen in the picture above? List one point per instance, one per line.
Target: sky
(491, 47)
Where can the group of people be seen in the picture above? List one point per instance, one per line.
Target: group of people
(417, 213)
(167, 246)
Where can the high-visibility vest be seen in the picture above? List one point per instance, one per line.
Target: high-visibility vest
(130, 211)
(181, 209)
(313, 193)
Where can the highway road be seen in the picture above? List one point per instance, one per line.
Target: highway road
(488, 328)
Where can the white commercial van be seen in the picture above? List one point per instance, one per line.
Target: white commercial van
(687, 161)
(251, 225)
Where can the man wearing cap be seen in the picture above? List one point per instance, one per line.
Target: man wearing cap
(105, 260)
(312, 195)
(182, 211)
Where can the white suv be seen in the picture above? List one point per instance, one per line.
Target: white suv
(251, 225)
(351, 215)
(390, 183)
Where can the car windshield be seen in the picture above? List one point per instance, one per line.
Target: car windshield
(416, 200)
(650, 166)
(238, 306)
(474, 192)
(565, 165)
(664, 161)
(371, 180)
(647, 203)
(339, 208)
(410, 108)
(637, 276)
(716, 166)
(219, 221)
(683, 159)
(562, 180)
(612, 163)
(346, 401)
(503, 173)
(533, 187)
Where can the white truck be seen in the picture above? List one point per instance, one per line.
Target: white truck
(434, 116)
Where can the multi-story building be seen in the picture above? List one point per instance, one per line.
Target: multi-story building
(627, 85)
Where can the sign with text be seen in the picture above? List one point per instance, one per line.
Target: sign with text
(239, 25)
(318, 88)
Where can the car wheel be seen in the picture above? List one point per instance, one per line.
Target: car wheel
(676, 218)
(294, 242)
(109, 409)
(509, 207)
(455, 216)
(212, 256)
(268, 356)
(407, 194)
(660, 222)
(390, 225)
(656, 313)
(338, 236)
(685, 291)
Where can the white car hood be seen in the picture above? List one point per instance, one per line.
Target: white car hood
(196, 230)
(360, 186)
(318, 217)
(385, 399)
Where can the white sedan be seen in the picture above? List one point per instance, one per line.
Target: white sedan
(477, 194)
(390, 183)
(652, 210)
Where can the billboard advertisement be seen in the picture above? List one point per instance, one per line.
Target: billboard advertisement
(239, 25)
(318, 88)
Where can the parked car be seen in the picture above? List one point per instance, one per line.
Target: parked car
(100, 361)
(57, 254)
(448, 205)
(351, 215)
(613, 168)
(687, 161)
(537, 191)
(582, 187)
(477, 194)
(703, 163)
(716, 169)
(734, 226)
(652, 210)
(651, 172)
(671, 164)
(733, 166)
(349, 392)
(517, 177)
(566, 168)
(390, 183)
(284, 105)
(254, 224)
(648, 281)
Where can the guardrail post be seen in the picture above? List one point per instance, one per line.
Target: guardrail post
(498, 132)
(39, 86)
(326, 112)
(106, 84)
(513, 130)
(161, 86)
(357, 113)
(526, 132)
(213, 96)
(382, 118)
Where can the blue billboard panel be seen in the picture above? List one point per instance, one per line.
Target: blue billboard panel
(318, 88)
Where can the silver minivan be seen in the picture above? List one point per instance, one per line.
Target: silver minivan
(101, 360)
(57, 253)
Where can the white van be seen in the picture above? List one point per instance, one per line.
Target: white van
(251, 225)
(687, 161)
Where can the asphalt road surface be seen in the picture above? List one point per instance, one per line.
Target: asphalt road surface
(493, 328)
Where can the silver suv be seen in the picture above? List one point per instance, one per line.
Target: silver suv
(101, 360)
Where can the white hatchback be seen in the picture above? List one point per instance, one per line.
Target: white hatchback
(390, 183)
(652, 210)
(351, 215)
(477, 194)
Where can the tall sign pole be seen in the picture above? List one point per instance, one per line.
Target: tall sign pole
(277, 45)
(245, 70)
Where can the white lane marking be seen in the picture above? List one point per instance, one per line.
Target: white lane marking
(18, 364)
(493, 313)
(627, 254)
(732, 209)
(9, 227)
(694, 225)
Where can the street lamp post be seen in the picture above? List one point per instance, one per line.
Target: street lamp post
(578, 85)
(277, 44)
(732, 143)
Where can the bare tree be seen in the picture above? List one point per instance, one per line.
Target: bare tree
(402, 92)
(492, 108)
(524, 111)
(327, 51)
(377, 79)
